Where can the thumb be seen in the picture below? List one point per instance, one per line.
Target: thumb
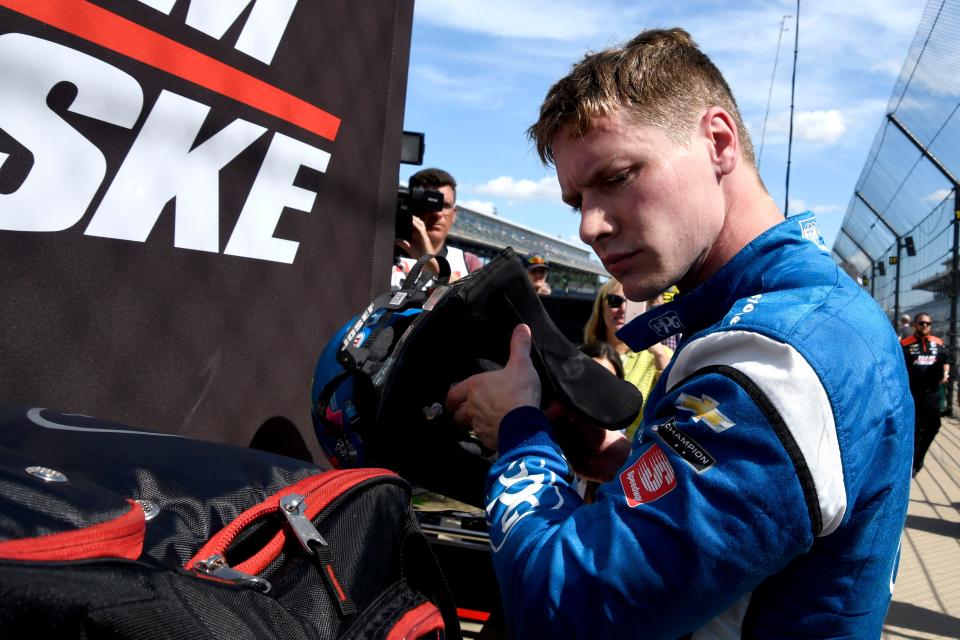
(520, 346)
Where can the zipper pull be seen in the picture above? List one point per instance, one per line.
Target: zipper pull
(216, 566)
(293, 507)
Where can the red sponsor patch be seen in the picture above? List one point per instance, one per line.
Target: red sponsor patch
(649, 478)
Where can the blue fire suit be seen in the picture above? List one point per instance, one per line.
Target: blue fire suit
(766, 490)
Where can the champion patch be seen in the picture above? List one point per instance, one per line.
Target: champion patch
(649, 478)
(686, 447)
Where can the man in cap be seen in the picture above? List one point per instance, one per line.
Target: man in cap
(537, 268)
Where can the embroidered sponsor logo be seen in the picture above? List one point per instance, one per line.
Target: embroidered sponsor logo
(667, 324)
(751, 304)
(811, 231)
(522, 494)
(926, 360)
(706, 409)
(649, 478)
(686, 447)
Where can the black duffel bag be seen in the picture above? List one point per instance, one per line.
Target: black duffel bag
(113, 532)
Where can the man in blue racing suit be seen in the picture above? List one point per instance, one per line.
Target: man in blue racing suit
(765, 494)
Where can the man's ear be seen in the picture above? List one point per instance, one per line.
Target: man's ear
(723, 141)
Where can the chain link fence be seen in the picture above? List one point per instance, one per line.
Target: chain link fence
(900, 232)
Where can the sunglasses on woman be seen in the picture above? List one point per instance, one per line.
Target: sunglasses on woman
(614, 301)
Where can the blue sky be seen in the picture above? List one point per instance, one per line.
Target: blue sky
(479, 71)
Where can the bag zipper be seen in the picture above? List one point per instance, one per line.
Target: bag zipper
(417, 623)
(293, 506)
(216, 567)
(299, 503)
(121, 537)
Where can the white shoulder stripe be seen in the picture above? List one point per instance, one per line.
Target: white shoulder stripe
(794, 389)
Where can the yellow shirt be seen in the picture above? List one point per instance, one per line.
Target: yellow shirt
(639, 368)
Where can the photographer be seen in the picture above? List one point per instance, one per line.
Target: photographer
(430, 229)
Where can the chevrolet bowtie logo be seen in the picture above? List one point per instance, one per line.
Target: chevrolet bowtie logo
(705, 409)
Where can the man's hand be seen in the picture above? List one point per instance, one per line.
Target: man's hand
(595, 453)
(542, 288)
(419, 242)
(661, 356)
(481, 401)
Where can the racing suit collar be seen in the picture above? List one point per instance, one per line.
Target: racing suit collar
(713, 298)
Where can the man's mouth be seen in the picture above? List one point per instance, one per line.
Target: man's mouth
(617, 262)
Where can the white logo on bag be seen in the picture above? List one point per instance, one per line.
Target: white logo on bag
(35, 416)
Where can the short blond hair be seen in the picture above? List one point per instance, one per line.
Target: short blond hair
(661, 78)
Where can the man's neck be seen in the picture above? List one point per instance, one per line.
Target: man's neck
(748, 212)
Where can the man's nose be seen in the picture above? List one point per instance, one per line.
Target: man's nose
(595, 223)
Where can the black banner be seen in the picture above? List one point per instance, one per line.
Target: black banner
(194, 194)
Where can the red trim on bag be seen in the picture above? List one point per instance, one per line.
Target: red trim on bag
(319, 490)
(336, 583)
(107, 29)
(470, 614)
(121, 537)
(417, 623)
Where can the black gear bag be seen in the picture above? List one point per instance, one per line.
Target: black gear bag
(113, 532)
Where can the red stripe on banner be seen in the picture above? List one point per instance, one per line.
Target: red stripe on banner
(97, 25)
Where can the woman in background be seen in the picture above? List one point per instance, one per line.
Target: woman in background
(640, 368)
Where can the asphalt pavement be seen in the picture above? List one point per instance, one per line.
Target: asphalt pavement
(926, 598)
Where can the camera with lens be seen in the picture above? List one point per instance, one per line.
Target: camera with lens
(410, 202)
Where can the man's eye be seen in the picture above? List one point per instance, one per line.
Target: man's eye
(618, 178)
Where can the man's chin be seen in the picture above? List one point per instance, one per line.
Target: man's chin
(642, 291)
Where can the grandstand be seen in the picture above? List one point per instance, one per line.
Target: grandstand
(573, 272)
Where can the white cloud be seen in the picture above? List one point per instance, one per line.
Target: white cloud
(546, 188)
(819, 127)
(937, 196)
(822, 209)
(890, 66)
(540, 19)
(475, 91)
(799, 205)
(482, 206)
